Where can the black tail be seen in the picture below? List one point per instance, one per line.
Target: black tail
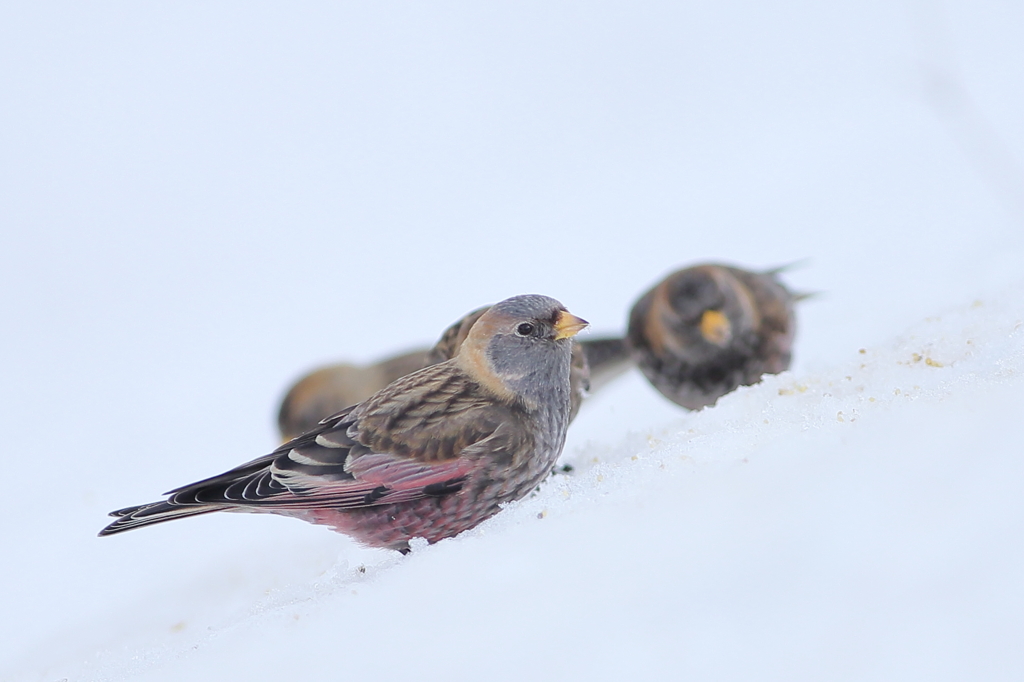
(795, 265)
(148, 514)
(608, 358)
(792, 265)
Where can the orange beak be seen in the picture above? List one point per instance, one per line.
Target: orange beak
(568, 325)
(715, 327)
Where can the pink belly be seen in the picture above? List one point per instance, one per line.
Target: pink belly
(392, 525)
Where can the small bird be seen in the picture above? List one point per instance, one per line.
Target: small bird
(705, 330)
(431, 455)
(326, 390)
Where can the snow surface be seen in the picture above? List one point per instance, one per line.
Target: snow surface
(200, 202)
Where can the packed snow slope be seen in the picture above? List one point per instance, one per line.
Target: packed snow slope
(198, 203)
(858, 523)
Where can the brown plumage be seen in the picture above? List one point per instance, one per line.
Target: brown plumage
(433, 454)
(704, 331)
(327, 390)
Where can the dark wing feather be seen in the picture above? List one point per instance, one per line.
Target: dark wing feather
(413, 439)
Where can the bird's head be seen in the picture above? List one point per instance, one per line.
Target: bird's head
(698, 310)
(520, 347)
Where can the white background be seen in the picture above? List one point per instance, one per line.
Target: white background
(199, 203)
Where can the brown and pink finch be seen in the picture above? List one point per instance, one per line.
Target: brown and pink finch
(429, 456)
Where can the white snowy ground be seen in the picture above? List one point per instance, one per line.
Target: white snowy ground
(198, 203)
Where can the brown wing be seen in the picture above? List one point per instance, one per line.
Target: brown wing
(419, 437)
(330, 389)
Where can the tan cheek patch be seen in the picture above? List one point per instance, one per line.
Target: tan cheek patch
(472, 357)
(715, 327)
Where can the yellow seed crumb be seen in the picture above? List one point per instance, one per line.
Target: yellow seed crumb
(932, 363)
(863, 351)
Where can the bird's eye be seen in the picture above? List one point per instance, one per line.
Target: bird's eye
(525, 329)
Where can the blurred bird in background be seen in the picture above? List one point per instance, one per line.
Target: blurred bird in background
(703, 331)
